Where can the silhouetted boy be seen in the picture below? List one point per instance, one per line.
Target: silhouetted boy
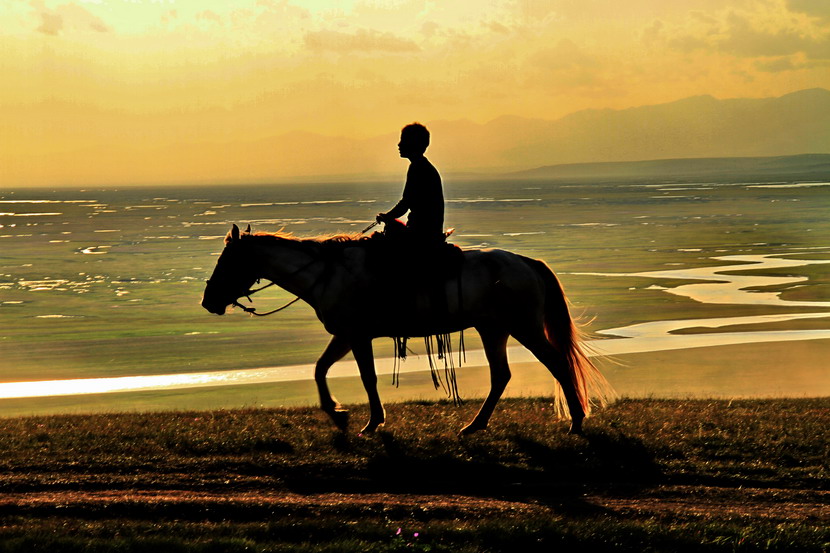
(423, 196)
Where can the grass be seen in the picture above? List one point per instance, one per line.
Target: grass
(650, 475)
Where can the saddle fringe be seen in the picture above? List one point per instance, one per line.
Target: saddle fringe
(440, 346)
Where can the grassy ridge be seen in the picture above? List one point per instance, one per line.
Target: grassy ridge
(650, 475)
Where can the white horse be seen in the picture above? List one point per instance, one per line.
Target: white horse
(499, 293)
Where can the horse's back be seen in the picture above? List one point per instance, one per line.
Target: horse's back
(507, 266)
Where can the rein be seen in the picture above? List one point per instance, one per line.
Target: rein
(252, 310)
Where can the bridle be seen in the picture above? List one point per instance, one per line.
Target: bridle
(252, 310)
(249, 293)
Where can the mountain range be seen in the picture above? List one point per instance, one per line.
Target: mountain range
(136, 149)
(697, 127)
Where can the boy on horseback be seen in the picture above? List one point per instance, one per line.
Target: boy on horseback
(423, 196)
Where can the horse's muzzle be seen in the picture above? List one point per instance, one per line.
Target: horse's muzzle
(216, 309)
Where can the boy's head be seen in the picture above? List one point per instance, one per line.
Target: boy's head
(414, 140)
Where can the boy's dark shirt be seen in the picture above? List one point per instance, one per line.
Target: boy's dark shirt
(424, 198)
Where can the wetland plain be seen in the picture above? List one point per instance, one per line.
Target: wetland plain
(103, 284)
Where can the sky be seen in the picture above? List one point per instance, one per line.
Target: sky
(109, 90)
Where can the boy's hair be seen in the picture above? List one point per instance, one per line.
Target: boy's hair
(418, 134)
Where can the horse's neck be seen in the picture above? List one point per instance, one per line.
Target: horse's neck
(293, 265)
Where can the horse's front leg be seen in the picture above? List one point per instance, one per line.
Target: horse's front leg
(362, 350)
(335, 350)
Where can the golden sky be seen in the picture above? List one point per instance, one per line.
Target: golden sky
(117, 87)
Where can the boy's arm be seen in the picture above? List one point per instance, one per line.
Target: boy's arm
(403, 205)
(400, 208)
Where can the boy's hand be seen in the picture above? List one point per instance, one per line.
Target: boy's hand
(381, 218)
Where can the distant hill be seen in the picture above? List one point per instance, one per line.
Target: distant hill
(807, 166)
(698, 127)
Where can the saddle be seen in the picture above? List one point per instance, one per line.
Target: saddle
(422, 263)
(424, 266)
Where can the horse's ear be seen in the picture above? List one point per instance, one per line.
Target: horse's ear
(248, 230)
(232, 235)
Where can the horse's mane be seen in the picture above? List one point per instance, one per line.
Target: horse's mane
(343, 238)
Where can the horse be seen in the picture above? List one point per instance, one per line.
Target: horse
(496, 292)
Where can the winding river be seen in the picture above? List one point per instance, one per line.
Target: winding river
(719, 285)
(715, 285)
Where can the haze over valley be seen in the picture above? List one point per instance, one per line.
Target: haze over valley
(697, 127)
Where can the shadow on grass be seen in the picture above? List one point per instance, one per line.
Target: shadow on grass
(606, 460)
(530, 469)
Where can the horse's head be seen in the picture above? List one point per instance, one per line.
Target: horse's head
(233, 276)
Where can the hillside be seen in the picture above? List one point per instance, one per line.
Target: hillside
(650, 475)
(698, 127)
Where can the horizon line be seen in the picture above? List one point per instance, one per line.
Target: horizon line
(472, 173)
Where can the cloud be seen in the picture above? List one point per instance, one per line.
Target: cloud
(171, 15)
(566, 54)
(814, 8)
(653, 32)
(568, 68)
(744, 40)
(429, 28)
(703, 18)
(540, 10)
(789, 63)
(50, 24)
(496, 27)
(281, 10)
(776, 65)
(66, 16)
(363, 40)
(738, 36)
(209, 15)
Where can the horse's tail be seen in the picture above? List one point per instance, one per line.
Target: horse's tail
(591, 386)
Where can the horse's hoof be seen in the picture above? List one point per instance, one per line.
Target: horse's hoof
(471, 429)
(576, 429)
(371, 427)
(340, 417)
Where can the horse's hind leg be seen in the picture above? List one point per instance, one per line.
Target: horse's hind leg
(336, 349)
(557, 363)
(495, 347)
(362, 349)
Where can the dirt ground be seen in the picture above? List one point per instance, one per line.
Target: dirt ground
(660, 502)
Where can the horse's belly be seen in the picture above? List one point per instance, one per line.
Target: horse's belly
(406, 312)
